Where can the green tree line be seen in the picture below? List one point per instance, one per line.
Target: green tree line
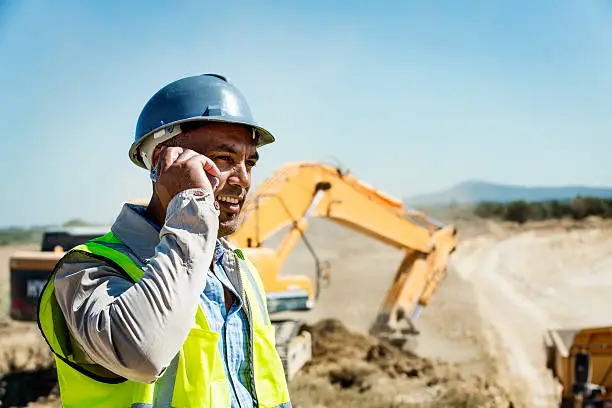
(19, 236)
(523, 211)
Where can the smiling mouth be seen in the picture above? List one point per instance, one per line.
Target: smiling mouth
(229, 204)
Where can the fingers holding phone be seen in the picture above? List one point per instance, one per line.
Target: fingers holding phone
(176, 169)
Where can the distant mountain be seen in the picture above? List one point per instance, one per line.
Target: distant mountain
(475, 191)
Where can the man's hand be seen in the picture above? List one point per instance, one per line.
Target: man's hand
(177, 169)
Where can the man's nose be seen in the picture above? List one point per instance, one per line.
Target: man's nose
(240, 175)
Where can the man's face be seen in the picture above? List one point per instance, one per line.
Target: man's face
(233, 150)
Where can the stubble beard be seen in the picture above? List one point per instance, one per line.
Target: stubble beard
(228, 226)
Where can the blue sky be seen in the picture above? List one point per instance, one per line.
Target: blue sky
(413, 96)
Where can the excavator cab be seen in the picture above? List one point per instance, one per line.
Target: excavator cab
(288, 293)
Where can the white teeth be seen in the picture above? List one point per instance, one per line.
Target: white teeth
(228, 199)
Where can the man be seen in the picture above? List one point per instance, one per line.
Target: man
(161, 311)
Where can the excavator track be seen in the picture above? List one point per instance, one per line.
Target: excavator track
(294, 345)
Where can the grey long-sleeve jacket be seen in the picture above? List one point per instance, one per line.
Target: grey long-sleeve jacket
(135, 330)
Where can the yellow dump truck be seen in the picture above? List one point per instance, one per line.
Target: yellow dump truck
(581, 360)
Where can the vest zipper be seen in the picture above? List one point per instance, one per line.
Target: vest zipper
(251, 348)
(229, 371)
(251, 341)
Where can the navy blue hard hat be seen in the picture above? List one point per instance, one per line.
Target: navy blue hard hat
(207, 97)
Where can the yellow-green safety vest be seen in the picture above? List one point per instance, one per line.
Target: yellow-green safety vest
(200, 379)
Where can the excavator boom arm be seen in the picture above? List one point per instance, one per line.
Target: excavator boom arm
(302, 190)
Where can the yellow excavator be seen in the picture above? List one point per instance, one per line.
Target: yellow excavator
(289, 198)
(299, 191)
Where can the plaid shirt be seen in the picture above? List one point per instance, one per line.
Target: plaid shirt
(233, 328)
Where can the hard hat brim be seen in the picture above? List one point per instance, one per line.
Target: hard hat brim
(263, 136)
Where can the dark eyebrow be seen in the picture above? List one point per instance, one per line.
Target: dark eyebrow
(230, 149)
(226, 148)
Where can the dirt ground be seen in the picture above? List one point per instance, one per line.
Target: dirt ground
(480, 341)
(550, 275)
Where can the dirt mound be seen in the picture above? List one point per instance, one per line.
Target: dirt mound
(353, 370)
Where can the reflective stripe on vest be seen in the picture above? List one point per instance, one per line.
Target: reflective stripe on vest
(197, 373)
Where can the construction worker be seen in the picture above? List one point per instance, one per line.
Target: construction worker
(162, 311)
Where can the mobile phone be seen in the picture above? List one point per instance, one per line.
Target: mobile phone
(153, 173)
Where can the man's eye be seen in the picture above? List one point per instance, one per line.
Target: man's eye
(225, 158)
(251, 163)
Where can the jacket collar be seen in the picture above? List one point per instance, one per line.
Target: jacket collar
(139, 234)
